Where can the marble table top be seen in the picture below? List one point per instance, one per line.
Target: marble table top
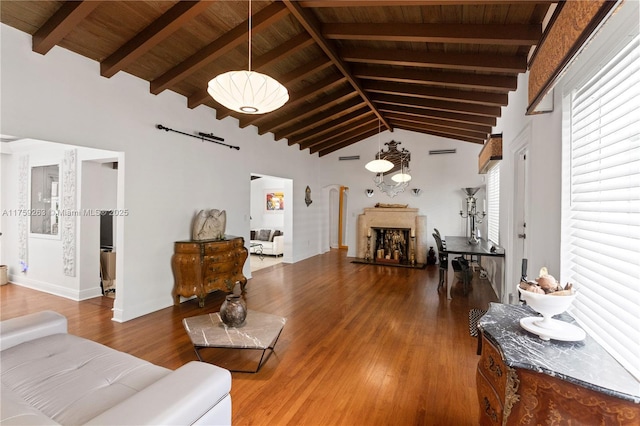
(584, 363)
(259, 331)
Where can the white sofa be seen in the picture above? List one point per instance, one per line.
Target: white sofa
(271, 240)
(51, 377)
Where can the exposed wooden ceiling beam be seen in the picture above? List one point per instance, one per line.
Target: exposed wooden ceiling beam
(506, 34)
(420, 91)
(352, 133)
(374, 3)
(443, 115)
(483, 110)
(497, 83)
(478, 128)
(341, 132)
(287, 48)
(321, 118)
(447, 130)
(297, 99)
(346, 143)
(274, 124)
(70, 14)
(313, 27)
(227, 42)
(329, 126)
(461, 61)
(172, 20)
(443, 134)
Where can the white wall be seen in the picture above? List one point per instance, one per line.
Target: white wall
(544, 182)
(61, 97)
(440, 177)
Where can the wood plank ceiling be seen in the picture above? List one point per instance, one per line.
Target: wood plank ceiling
(351, 67)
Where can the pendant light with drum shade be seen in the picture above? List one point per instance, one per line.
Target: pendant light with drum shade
(248, 92)
(379, 165)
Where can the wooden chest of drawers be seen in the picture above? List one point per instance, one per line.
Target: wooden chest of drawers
(202, 267)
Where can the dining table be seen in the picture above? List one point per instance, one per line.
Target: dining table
(460, 246)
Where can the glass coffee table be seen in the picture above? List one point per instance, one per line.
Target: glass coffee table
(257, 249)
(260, 331)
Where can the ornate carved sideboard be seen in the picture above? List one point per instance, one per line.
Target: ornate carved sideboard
(201, 267)
(522, 379)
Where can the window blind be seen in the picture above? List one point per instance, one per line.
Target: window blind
(601, 209)
(493, 204)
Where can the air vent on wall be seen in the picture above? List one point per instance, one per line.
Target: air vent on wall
(442, 151)
(352, 157)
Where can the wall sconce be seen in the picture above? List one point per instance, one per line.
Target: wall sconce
(416, 192)
(369, 192)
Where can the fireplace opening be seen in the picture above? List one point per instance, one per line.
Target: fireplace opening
(392, 245)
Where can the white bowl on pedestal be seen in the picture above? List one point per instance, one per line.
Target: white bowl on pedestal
(546, 327)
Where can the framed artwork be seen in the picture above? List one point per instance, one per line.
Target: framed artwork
(275, 201)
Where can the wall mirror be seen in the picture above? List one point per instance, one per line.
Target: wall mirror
(45, 199)
(397, 179)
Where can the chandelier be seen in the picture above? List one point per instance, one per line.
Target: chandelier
(248, 92)
(399, 159)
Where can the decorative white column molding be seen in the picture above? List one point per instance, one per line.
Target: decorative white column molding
(23, 205)
(69, 212)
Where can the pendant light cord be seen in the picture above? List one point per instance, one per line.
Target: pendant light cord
(249, 35)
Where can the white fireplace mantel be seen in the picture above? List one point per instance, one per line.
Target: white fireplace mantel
(392, 217)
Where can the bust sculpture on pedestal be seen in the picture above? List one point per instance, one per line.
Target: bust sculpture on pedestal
(209, 225)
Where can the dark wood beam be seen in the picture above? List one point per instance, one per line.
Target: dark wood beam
(172, 20)
(483, 110)
(287, 48)
(445, 135)
(328, 150)
(327, 127)
(374, 3)
(70, 14)
(352, 133)
(461, 61)
(420, 91)
(498, 34)
(341, 131)
(443, 115)
(298, 99)
(333, 113)
(227, 42)
(444, 130)
(478, 128)
(307, 110)
(313, 27)
(497, 83)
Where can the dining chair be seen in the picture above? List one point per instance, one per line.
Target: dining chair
(459, 264)
(443, 262)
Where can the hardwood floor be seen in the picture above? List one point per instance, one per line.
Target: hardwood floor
(363, 344)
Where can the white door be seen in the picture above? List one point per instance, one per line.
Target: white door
(520, 211)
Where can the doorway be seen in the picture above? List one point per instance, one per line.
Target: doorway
(519, 216)
(271, 207)
(342, 215)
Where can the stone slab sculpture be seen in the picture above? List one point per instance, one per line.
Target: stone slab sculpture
(209, 225)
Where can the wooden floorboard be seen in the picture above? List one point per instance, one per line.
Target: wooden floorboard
(363, 344)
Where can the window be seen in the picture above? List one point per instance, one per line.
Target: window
(493, 204)
(601, 203)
